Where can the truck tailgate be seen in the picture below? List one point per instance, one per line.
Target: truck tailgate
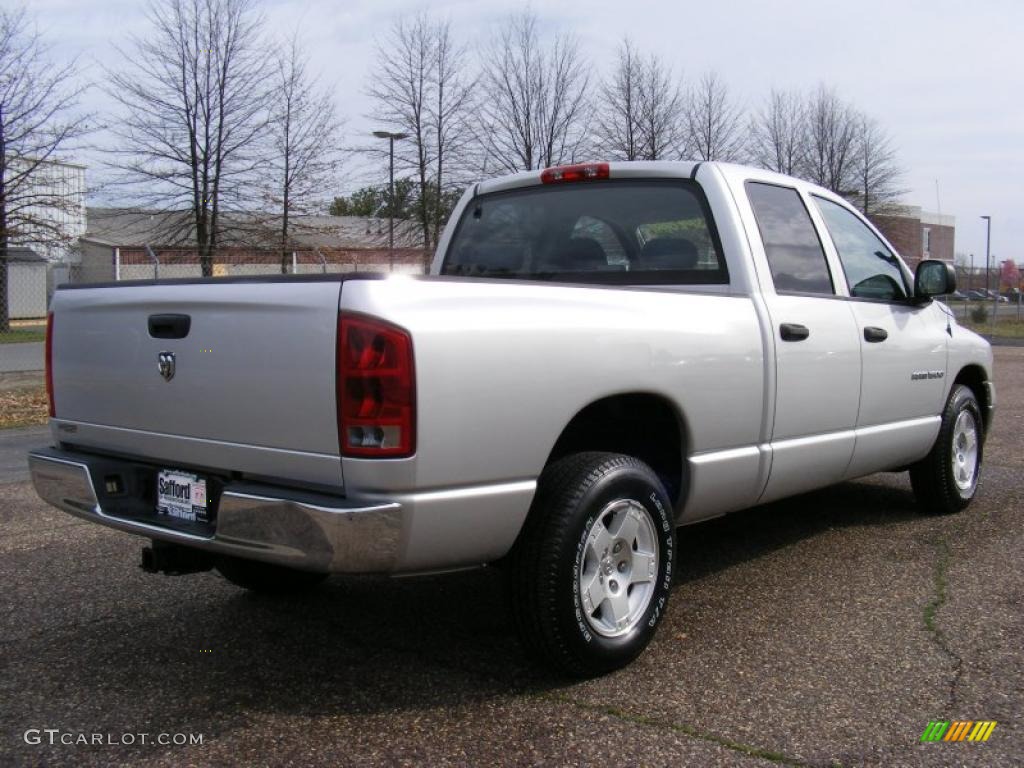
(253, 382)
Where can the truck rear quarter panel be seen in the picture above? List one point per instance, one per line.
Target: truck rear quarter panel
(501, 369)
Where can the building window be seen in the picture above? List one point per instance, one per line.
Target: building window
(926, 240)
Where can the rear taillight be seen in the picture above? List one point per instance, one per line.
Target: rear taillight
(583, 172)
(376, 389)
(49, 363)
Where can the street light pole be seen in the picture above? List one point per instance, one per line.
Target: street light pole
(391, 137)
(988, 244)
(970, 286)
(988, 241)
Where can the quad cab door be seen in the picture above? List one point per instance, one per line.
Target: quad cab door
(903, 347)
(816, 341)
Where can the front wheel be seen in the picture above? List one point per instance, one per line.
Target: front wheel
(946, 480)
(594, 564)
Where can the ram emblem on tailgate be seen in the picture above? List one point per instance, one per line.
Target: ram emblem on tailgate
(165, 362)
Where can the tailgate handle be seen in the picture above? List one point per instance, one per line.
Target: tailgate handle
(169, 326)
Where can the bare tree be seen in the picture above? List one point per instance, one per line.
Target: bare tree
(401, 92)
(714, 121)
(830, 142)
(194, 104)
(420, 87)
(641, 114)
(534, 109)
(617, 119)
(38, 103)
(449, 111)
(662, 112)
(825, 140)
(304, 156)
(777, 133)
(875, 168)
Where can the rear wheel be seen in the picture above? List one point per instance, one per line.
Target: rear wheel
(946, 480)
(265, 577)
(594, 564)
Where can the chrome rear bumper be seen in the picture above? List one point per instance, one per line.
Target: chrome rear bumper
(298, 529)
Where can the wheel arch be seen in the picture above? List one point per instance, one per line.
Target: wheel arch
(975, 378)
(646, 425)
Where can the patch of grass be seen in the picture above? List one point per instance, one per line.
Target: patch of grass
(23, 334)
(940, 584)
(23, 407)
(1006, 327)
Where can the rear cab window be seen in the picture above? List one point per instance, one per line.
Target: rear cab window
(624, 232)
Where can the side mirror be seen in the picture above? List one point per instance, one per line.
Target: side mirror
(933, 278)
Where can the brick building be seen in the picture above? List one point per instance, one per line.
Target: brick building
(918, 234)
(129, 244)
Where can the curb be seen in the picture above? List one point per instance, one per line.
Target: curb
(20, 379)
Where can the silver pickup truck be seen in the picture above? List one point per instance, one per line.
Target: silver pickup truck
(601, 354)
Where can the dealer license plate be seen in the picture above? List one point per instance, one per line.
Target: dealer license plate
(181, 495)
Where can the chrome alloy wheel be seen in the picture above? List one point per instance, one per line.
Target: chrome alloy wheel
(965, 451)
(620, 565)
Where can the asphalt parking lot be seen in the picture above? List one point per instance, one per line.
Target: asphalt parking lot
(825, 630)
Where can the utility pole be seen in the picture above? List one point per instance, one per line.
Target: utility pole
(970, 285)
(988, 254)
(392, 138)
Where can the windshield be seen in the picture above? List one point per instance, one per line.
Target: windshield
(624, 232)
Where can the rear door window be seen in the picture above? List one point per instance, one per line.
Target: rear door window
(795, 256)
(618, 232)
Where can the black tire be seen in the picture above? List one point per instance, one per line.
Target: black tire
(266, 578)
(550, 554)
(933, 478)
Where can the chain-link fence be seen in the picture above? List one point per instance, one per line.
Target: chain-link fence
(24, 291)
(148, 264)
(982, 297)
(31, 280)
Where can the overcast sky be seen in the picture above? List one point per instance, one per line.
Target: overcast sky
(945, 77)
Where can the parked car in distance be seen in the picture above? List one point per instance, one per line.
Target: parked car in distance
(601, 355)
(992, 295)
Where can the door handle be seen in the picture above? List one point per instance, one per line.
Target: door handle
(793, 332)
(169, 326)
(874, 335)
